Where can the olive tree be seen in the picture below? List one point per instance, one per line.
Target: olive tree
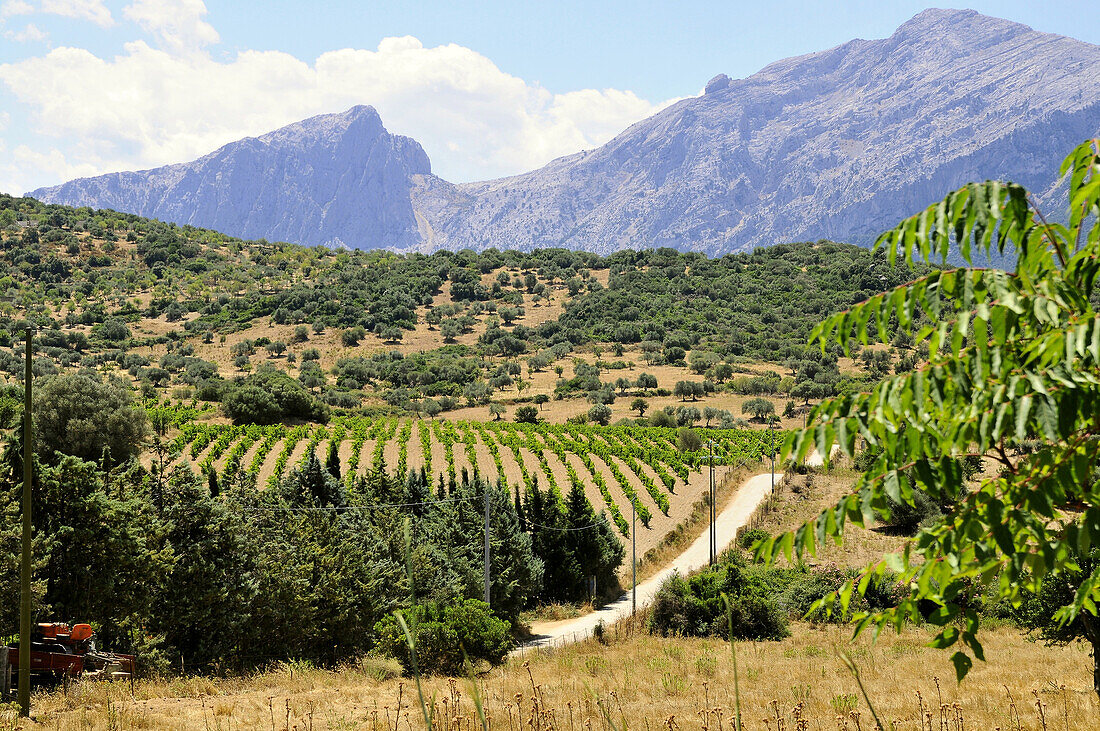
(78, 415)
(1013, 375)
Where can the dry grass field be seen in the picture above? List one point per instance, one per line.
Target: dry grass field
(636, 681)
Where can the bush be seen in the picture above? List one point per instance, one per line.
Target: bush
(693, 606)
(527, 415)
(442, 634)
(907, 519)
(662, 418)
(747, 538)
(688, 440)
(798, 588)
(269, 396)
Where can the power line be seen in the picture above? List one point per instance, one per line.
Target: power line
(550, 527)
(354, 508)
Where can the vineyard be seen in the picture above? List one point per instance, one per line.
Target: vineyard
(618, 466)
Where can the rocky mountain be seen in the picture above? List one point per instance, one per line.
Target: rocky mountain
(334, 179)
(839, 144)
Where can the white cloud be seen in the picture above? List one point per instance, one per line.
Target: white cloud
(29, 34)
(52, 162)
(178, 24)
(15, 7)
(92, 10)
(151, 106)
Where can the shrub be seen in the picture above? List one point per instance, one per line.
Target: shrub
(747, 538)
(662, 418)
(797, 589)
(688, 440)
(442, 633)
(527, 415)
(693, 606)
(269, 396)
(906, 519)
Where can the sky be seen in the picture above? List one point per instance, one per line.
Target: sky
(488, 88)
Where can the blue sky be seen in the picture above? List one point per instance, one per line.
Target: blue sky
(489, 89)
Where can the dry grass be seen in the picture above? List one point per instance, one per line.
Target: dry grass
(799, 498)
(638, 681)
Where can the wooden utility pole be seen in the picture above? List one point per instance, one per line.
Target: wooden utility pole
(713, 537)
(24, 696)
(633, 559)
(487, 582)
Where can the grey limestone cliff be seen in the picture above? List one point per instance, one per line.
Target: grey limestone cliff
(334, 179)
(839, 144)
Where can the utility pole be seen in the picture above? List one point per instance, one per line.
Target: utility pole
(713, 537)
(24, 695)
(633, 559)
(771, 443)
(486, 488)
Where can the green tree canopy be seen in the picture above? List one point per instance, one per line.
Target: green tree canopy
(268, 396)
(78, 415)
(1013, 375)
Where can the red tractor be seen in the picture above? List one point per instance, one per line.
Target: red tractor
(59, 651)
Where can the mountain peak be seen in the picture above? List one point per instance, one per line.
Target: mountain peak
(936, 23)
(719, 82)
(333, 179)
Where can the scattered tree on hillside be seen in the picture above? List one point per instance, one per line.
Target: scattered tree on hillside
(600, 413)
(760, 408)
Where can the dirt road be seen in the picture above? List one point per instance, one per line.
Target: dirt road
(735, 515)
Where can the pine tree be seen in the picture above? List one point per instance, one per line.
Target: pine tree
(519, 512)
(332, 463)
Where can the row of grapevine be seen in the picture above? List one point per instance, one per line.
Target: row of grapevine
(403, 448)
(558, 448)
(424, 430)
(273, 436)
(294, 436)
(225, 438)
(649, 457)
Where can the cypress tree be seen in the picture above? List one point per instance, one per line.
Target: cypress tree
(332, 463)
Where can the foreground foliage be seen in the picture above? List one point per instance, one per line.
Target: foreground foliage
(190, 571)
(1014, 376)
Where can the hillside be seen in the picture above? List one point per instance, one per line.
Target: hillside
(838, 144)
(185, 313)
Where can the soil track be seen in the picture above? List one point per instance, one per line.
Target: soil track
(697, 555)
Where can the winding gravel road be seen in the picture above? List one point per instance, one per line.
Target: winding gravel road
(735, 515)
(751, 493)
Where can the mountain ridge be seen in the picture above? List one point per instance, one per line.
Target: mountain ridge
(357, 173)
(836, 144)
